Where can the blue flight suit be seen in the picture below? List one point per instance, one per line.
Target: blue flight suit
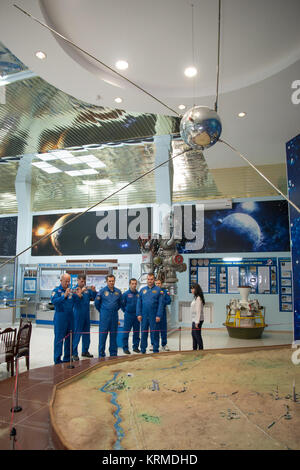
(163, 321)
(63, 322)
(82, 324)
(108, 303)
(149, 306)
(129, 301)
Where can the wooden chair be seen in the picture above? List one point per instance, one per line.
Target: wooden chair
(24, 321)
(7, 347)
(22, 346)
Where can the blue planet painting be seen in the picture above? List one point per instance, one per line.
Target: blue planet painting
(251, 226)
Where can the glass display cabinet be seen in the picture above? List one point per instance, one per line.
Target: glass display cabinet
(8, 301)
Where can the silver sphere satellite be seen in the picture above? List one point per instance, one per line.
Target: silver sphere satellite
(200, 127)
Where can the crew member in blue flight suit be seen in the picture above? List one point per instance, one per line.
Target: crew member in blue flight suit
(149, 311)
(108, 301)
(129, 300)
(163, 321)
(63, 300)
(82, 324)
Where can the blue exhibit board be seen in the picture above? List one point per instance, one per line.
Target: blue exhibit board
(285, 285)
(217, 276)
(293, 171)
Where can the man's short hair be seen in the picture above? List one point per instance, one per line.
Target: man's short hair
(81, 276)
(132, 279)
(151, 274)
(110, 275)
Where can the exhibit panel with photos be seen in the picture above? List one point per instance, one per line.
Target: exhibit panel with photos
(217, 276)
(7, 280)
(285, 285)
(38, 281)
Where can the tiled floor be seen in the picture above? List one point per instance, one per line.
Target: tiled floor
(32, 423)
(36, 385)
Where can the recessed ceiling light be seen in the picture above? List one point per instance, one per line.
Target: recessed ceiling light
(51, 169)
(89, 172)
(190, 71)
(88, 159)
(96, 165)
(182, 106)
(40, 55)
(92, 161)
(74, 173)
(96, 182)
(122, 64)
(46, 167)
(41, 164)
(61, 153)
(71, 161)
(81, 172)
(46, 157)
(118, 100)
(242, 114)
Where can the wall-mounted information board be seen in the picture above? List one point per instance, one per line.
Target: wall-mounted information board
(285, 285)
(217, 276)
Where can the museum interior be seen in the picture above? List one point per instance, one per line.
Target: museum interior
(149, 137)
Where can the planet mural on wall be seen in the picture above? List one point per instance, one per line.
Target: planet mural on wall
(80, 237)
(240, 230)
(69, 238)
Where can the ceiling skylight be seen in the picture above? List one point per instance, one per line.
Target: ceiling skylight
(81, 172)
(46, 167)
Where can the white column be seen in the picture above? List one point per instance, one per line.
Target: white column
(163, 186)
(23, 192)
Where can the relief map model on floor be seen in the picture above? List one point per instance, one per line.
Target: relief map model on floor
(192, 400)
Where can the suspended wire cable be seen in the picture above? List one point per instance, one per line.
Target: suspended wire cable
(193, 54)
(218, 57)
(95, 58)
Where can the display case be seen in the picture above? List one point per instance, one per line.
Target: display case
(7, 290)
(38, 281)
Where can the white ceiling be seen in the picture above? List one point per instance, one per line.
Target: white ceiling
(260, 58)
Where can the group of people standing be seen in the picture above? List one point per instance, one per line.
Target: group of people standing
(143, 310)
